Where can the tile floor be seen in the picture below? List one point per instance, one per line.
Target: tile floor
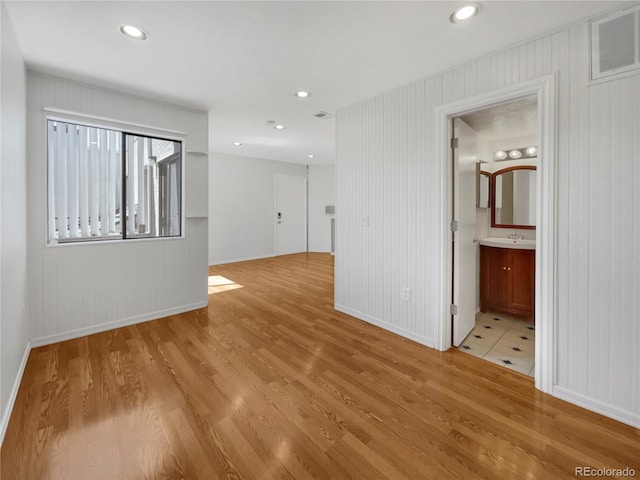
(504, 340)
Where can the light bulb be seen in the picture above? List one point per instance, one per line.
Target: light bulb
(134, 32)
(464, 13)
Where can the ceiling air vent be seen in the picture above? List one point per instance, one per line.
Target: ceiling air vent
(324, 115)
(615, 43)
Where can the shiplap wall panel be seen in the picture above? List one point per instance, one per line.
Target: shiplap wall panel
(597, 212)
(573, 175)
(630, 218)
(483, 74)
(14, 289)
(415, 217)
(79, 288)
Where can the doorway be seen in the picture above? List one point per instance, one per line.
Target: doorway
(494, 204)
(291, 214)
(545, 283)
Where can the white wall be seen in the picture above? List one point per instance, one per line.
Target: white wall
(76, 289)
(387, 170)
(241, 206)
(322, 192)
(14, 320)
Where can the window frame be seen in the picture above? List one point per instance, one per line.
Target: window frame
(125, 129)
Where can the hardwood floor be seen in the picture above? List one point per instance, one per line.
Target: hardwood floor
(269, 382)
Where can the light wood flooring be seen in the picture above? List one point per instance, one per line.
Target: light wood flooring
(269, 382)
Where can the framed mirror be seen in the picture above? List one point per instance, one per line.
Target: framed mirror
(513, 197)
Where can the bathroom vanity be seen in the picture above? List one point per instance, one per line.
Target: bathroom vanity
(507, 276)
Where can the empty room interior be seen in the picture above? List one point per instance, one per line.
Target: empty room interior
(319, 240)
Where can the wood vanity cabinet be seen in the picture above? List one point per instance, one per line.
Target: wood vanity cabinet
(507, 281)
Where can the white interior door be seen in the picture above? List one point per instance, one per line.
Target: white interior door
(291, 214)
(464, 248)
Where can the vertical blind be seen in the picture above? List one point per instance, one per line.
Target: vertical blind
(85, 167)
(87, 187)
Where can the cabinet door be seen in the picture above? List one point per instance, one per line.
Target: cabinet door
(494, 287)
(522, 279)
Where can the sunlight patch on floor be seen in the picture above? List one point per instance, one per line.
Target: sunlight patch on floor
(218, 283)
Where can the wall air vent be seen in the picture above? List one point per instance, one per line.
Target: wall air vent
(326, 115)
(615, 44)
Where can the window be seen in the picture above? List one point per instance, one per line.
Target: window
(106, 184)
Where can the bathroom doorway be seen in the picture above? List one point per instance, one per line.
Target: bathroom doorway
(495, 178)
(543, 91)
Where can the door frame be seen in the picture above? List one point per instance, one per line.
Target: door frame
(545, 89)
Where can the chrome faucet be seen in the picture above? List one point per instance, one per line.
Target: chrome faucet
(516, 236)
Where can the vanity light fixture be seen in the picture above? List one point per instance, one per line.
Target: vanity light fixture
(303, 94)
(133, 31)
(516, 153)
(237, 144)
(279, 127)
(465, 13)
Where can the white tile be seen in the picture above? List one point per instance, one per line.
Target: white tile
(496, 343)
(476, 348)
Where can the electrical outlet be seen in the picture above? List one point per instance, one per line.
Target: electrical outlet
(406, 294)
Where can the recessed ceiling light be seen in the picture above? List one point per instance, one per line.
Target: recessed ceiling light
(237, 144)
(134, 32)
(310, 155)
(279, 127)
(302, 94)
(465, 13)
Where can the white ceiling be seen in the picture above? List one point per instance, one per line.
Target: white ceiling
(243, 61)
(508, 120)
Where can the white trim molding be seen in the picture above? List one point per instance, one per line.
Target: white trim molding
(427, 342)
(124, 322)
(625, 416)
(6, 415)
(545, 90)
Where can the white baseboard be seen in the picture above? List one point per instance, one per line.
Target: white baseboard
(611, 411)
(427, 342)
(6, 415)
(245, 259)
(103, 327)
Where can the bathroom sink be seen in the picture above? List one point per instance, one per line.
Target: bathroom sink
(524, 244)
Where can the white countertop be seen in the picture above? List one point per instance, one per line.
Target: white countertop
(523, 244)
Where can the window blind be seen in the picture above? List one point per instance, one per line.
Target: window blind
(84, 181)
